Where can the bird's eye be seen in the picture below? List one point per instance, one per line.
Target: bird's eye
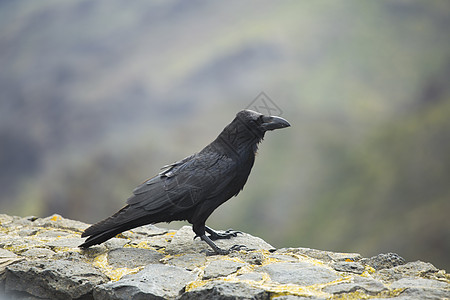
(260, 119)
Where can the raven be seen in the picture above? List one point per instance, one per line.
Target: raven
(192, 188)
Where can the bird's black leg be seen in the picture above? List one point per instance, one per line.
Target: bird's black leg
(214, 235)
(216, 249)
(200, 232)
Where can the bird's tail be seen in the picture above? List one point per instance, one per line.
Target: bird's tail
(125, 219)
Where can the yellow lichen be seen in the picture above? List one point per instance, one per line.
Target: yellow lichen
(294, 290)
(56, 218)
(361, 295)
(265, 283)
(114, 274)
(352, 296)
(142, 245)
(224, 257)
(65, 249)
(16, 248)
(195, 284)
(170, 234)
(369, 269)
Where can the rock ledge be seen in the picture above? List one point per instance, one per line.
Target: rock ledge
(39, 259)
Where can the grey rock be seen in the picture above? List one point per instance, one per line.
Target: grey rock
(299, 273)
(115, 243)
(419, 283)
(253, 276)
(38, 252)
(19, 243)
(348, 266)
(17, 296)
(325, 256)
(6, 219)
(157, 241)
(52, 234)
(133, 257)
(253, 258)
(152, 236)
(425, 294)
(221, 268)
(56, 221)
(183, 242)
(155, 281)
(30, 270)
(69, 255)
(27, 232)
(291, 297)
(7, 258)
(187, 261)
(72, 242)
(368, 286)
(225, 291)
(52, 279)
(93, 250)
(150, 230)
(284, 257)
(6, 253)
(337, 256)
(411, 269)
(14, 221)
(383, 261)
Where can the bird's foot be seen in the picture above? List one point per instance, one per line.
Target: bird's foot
(214, 235)
(220, 251)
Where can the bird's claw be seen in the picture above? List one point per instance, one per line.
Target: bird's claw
(220, 251)
(224, 235)
(240, 248)
(233, 232)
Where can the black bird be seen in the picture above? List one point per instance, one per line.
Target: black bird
(192, 188)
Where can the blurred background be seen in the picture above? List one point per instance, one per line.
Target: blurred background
(96, 96)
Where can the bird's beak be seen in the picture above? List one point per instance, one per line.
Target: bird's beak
(273, 122)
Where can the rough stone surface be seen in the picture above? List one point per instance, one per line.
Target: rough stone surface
(425, 294)
(133, 257)
(384, 261)
(56, 221)
(115, 243)
(253, 276)
(70, 242)
(153, 282)
(7, 258)
(226, 290)
(325, 256)
(290, 297)
(367, 286)
(221, 268)
(418, 283)
(183, 242)
(411, 269)
(52, 279)
(348, 266)
(187, 261)
(150, 230)
(40, 259)
(300, 273)
(38, 253)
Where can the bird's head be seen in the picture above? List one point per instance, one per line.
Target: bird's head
(247, 130)
(260, 122)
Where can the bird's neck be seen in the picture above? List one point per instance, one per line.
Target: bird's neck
(239, 140)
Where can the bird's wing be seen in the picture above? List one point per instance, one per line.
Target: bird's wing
(184, 184)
